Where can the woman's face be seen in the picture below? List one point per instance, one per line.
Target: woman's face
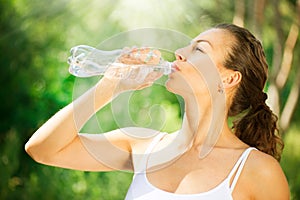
(198, 66)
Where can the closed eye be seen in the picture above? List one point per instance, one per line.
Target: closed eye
(199, 49)
(196, 47)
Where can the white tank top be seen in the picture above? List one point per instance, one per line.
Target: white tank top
(142, 189)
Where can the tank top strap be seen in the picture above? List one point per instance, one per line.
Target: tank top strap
(238, 167)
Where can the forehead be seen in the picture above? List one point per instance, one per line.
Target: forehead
(218, 38)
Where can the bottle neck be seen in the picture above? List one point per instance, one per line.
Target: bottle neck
(166, 66)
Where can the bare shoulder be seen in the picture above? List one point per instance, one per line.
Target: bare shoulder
(267, 178)
(263, 164)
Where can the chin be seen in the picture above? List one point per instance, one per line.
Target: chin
(169, 85)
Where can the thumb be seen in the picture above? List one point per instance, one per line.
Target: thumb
(145, 85)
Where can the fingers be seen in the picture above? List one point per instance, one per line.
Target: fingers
(137, 70)
(138, 78)
(138, 56)
(150, 79)
(153, 76)
(145, 85)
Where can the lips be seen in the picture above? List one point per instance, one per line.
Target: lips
(175, 67)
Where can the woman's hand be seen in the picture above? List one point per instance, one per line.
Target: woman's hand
(127, 84)
(139, 56)
(133, 70)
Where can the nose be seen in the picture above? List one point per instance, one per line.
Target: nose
(179, 55)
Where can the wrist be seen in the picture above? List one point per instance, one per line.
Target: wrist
(106, 88)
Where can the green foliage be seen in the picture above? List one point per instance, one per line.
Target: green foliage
(290, 160)
(35, 37)
(55, 183)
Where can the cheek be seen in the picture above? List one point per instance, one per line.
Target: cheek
(198, 75)
(201, 67)
(206, 73)
(218, 59)
(186, 82)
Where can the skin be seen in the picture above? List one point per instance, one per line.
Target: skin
(261, 178)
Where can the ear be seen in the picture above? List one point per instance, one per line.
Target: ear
(231, 79)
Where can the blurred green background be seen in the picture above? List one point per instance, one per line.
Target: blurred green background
(35, 38)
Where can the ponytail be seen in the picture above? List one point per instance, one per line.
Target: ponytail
(258, 127)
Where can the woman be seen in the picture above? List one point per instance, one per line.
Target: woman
(231, 169)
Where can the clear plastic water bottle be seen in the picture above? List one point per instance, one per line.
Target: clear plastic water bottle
(87, 61)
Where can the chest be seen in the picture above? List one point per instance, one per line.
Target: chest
(187, 174)
(185, 177)
(198, 182)
(190, 175)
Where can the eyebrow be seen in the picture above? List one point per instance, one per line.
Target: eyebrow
(198, 41)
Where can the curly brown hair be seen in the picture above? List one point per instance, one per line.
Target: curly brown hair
(257, 126)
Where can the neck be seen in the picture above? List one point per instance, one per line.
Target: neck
(204, 121)
(196, 120)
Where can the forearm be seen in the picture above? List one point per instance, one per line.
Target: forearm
(61, 129)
